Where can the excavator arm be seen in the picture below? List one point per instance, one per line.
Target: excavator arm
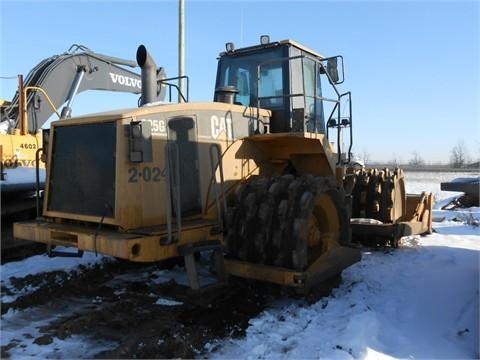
(63, 76)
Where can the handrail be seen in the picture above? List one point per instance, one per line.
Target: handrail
(214, 180)
(271, 61)
(295, 95)
(170, 85)
(351, 124)
(169, 148)
(2, 174)
(339, 125)
(37, 179)
(168, 196)
(290, 58)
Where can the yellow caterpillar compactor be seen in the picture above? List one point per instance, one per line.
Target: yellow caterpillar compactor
(259, 176)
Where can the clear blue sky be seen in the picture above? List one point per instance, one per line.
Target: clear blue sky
(413, 67)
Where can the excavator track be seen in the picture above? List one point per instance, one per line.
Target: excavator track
(286, 221)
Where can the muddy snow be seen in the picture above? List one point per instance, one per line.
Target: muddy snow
(419, 301)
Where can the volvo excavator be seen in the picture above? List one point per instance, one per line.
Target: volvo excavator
(52, 83)
(260, 177)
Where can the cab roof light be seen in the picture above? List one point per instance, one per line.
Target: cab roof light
(230, 46)
(264, 39)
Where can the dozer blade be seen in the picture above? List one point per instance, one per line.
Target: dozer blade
(382, 212)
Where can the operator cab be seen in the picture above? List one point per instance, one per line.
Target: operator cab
(284, 77)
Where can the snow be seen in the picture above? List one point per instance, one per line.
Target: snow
(22, 327)
(419, 301)
(418, 181)
(38, 264)
(22, 178)
(168, 302)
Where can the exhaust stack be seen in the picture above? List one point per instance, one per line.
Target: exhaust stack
(149, 76)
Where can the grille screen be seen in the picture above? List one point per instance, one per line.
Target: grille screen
(82, 177)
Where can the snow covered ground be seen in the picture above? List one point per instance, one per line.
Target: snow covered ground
(420, 301)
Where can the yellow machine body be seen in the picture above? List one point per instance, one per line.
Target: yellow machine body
(136, 198)
(19, 150)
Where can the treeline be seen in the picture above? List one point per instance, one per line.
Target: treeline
(459, 161)
(473, 168)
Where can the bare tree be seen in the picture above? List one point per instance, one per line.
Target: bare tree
(478, 150)
(458, 155)
(365, 157)
(395, 162)
(416, 160)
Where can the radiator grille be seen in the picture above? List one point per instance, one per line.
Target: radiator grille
(82, 177)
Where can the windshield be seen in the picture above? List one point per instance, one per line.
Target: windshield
(240, 71)
(283, 79)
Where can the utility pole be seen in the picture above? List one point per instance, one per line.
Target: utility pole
(181, 47)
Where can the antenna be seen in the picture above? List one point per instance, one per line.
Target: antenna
(181, 47)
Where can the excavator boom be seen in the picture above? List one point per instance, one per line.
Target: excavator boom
(65, 75)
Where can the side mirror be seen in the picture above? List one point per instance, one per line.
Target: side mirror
(334, 69)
